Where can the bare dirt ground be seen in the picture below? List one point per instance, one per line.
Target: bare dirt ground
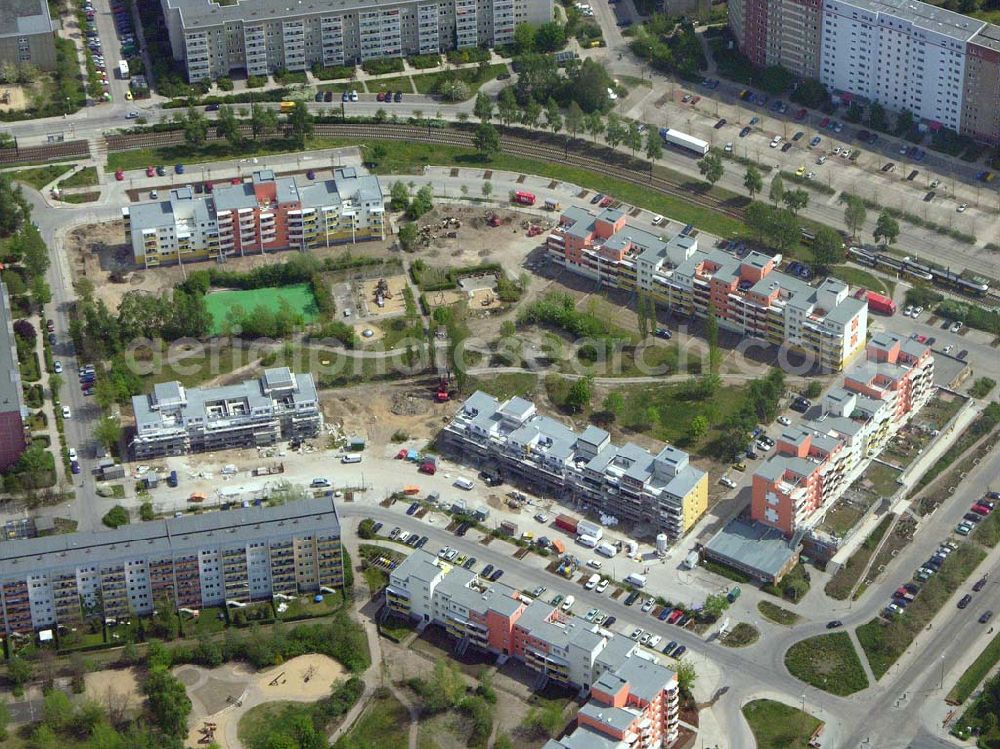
(221, 696)
(114, 687)
(381, 410)
(392, 304)
(12, 98)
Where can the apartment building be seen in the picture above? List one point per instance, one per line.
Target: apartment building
(942, 66)
(663, 490)
(981, 86)
(12, 408)
(26, 34)
(814, 464)
(747, 294)
(264, 36)
(632, 698)
(262, 214)
(194, 561)
(175, 420)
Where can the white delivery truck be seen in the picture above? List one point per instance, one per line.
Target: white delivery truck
(463, 483)
(587, 528)
(636, 579)
(588, 541)
(123, 69)
(691, 561)
(592, 582)
(607, 550)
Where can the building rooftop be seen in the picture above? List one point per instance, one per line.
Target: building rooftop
(585, 737)
(24, 17)
(11, 393)
(219, 528)
(752, 545)
(924, 16)
(989, 37)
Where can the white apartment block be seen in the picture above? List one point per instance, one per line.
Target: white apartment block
(264, 36)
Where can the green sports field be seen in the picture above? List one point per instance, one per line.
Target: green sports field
(299, 297)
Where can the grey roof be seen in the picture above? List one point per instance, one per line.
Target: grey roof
(846, 311)
(24, 17)
(517, 408)
(924, 16)
(234, 197)
(420, 565)
(204, 13)
(577, 222)
(988, 36)
(645, 678)
(752, 545)
(11, 394)
(585, 737)
(615, 717)
(168, 537)
(618, 649)
(594, 436)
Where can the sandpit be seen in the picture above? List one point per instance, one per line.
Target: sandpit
(221, 696)
(122, 682)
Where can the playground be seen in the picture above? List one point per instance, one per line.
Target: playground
(221, 696)
(298, 296)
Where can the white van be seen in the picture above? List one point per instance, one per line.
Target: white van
(567, 603)
(592, 582)
(636, 579)
(588, 541)
(350, 459)
(463, 483)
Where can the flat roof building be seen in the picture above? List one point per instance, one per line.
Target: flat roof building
(175, 420)
(265, 213)
(264, 36)
(12, 408)
(26, 34)
(194, 561)
(627, 481)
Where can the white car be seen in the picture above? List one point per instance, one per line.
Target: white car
(917, 310)
(821, 160)
(728, 148)
(657, 219)
(153, 194)
(726, 481)
(66, 413)
(603, 585)
(810, 175)
(72, 453)
(648, 605)
(784, 421)
(836, 151)
(957, 326)
(57, 367)
(908, 312)
(947, 349)
(636, 634)
(776, 141)
(962, 207)
(654, 641)
(354, 96)
(594, 564)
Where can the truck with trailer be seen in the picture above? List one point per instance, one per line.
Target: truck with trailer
(877, 302)
(683, 141)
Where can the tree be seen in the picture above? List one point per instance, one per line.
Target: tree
(57, 710)
(531, 114)
(877, 119)
(697, 428)
(777, 191)
(654, 147)
(108, 432)
(19, 671)
(167, 701)
(399, 196)
(827, 248)
(445, 687)
(25, 331)
(14, 209)
(507, 107)
(408, 235)
(753, 181)
(580, 394)
(423, 202)
(574, 118)
(487, 189)
(262, 120)
(550, 37)
(685, 675)
(886, 227)
(854, 214)
(614, 132)
(33, 251)
(524, 38)
(41, 294)
(715, 605)
(795, 200)
(711, 167)
(553, 119)
(633, 137)
(595, 124)
(483, 108)
(146, 512)
(904, 122)
(195, 127)
(227, 126)
(785, 231)
(4, 720)
(115, 517)
(486, 139)
(301, 123)
(55, 385)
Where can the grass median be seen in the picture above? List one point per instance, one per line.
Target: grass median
(884, 641)
(777, 614)
(975, 673)
(843, 581)
(776, 725)
(827, 662)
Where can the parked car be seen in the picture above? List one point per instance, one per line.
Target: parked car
(834, 624)
(680, 651)
(964, 601)
(980, 584)
(987, 615)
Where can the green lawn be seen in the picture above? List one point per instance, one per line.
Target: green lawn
(81, 197)
(827, 662)
(397, 83)
(86, 177)
(975, 673)
(40, 177)
(425, 82)
(841, 584)
(191, 365)
(777, 614)
(218, 151)
(741, 635)
(858, 277)
(298, 296)
(776, 725)
(507, 385)
(384, 723)
(256, 723)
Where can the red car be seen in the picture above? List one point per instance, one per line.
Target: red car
(800, 115)
(695, 100)
(235, 180)
(981, 509)
(380, 96)
(209, 187)
(672, 619)
(824, 122)
(150, 171)
(605, 203)
(119, 174)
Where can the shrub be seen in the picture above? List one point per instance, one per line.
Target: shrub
(115, 517)
(256, 81)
